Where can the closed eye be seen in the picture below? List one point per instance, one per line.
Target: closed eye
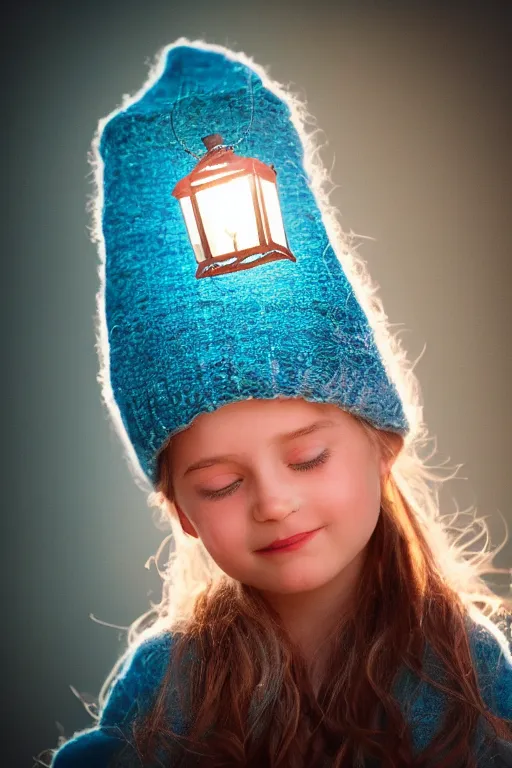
(302, 467)
(321, 459)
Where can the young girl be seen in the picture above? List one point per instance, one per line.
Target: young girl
(317, 610)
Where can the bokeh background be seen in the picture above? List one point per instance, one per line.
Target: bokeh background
(413, 100)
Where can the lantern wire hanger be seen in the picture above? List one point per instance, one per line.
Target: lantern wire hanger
(218, 146)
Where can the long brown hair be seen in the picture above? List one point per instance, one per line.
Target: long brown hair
(246, 694)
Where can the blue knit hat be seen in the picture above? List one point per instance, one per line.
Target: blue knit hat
(173, 346)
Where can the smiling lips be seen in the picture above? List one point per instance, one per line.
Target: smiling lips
(294, 542)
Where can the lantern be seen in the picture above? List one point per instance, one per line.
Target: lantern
(231, 211)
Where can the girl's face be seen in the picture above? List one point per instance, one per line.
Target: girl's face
(260, 470)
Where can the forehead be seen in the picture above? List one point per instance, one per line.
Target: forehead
(246, 420)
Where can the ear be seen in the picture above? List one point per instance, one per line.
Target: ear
(185, 523)
(395, 444)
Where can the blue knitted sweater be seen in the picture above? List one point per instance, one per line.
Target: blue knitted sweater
(108, 743)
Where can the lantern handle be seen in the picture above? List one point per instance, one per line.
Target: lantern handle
(218, 138)
(183, 145)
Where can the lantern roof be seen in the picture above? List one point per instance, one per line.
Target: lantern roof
(220, 163)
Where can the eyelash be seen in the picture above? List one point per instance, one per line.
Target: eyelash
(304, 467)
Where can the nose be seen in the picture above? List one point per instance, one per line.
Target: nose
(274, 503)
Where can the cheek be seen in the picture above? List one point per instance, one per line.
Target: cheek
(223, 534)
(351, 496)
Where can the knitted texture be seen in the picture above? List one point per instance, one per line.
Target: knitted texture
(179, 346)
(110, 743)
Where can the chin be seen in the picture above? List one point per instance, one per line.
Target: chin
(295, 583)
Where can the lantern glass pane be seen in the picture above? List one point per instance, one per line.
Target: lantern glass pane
(275, 219)
(193, 232)
(228, 216)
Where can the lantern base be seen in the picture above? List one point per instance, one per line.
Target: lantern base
(223, 265)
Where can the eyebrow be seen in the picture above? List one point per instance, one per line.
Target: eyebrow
(211, 460)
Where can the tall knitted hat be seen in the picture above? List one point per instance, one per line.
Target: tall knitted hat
(181, 331)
